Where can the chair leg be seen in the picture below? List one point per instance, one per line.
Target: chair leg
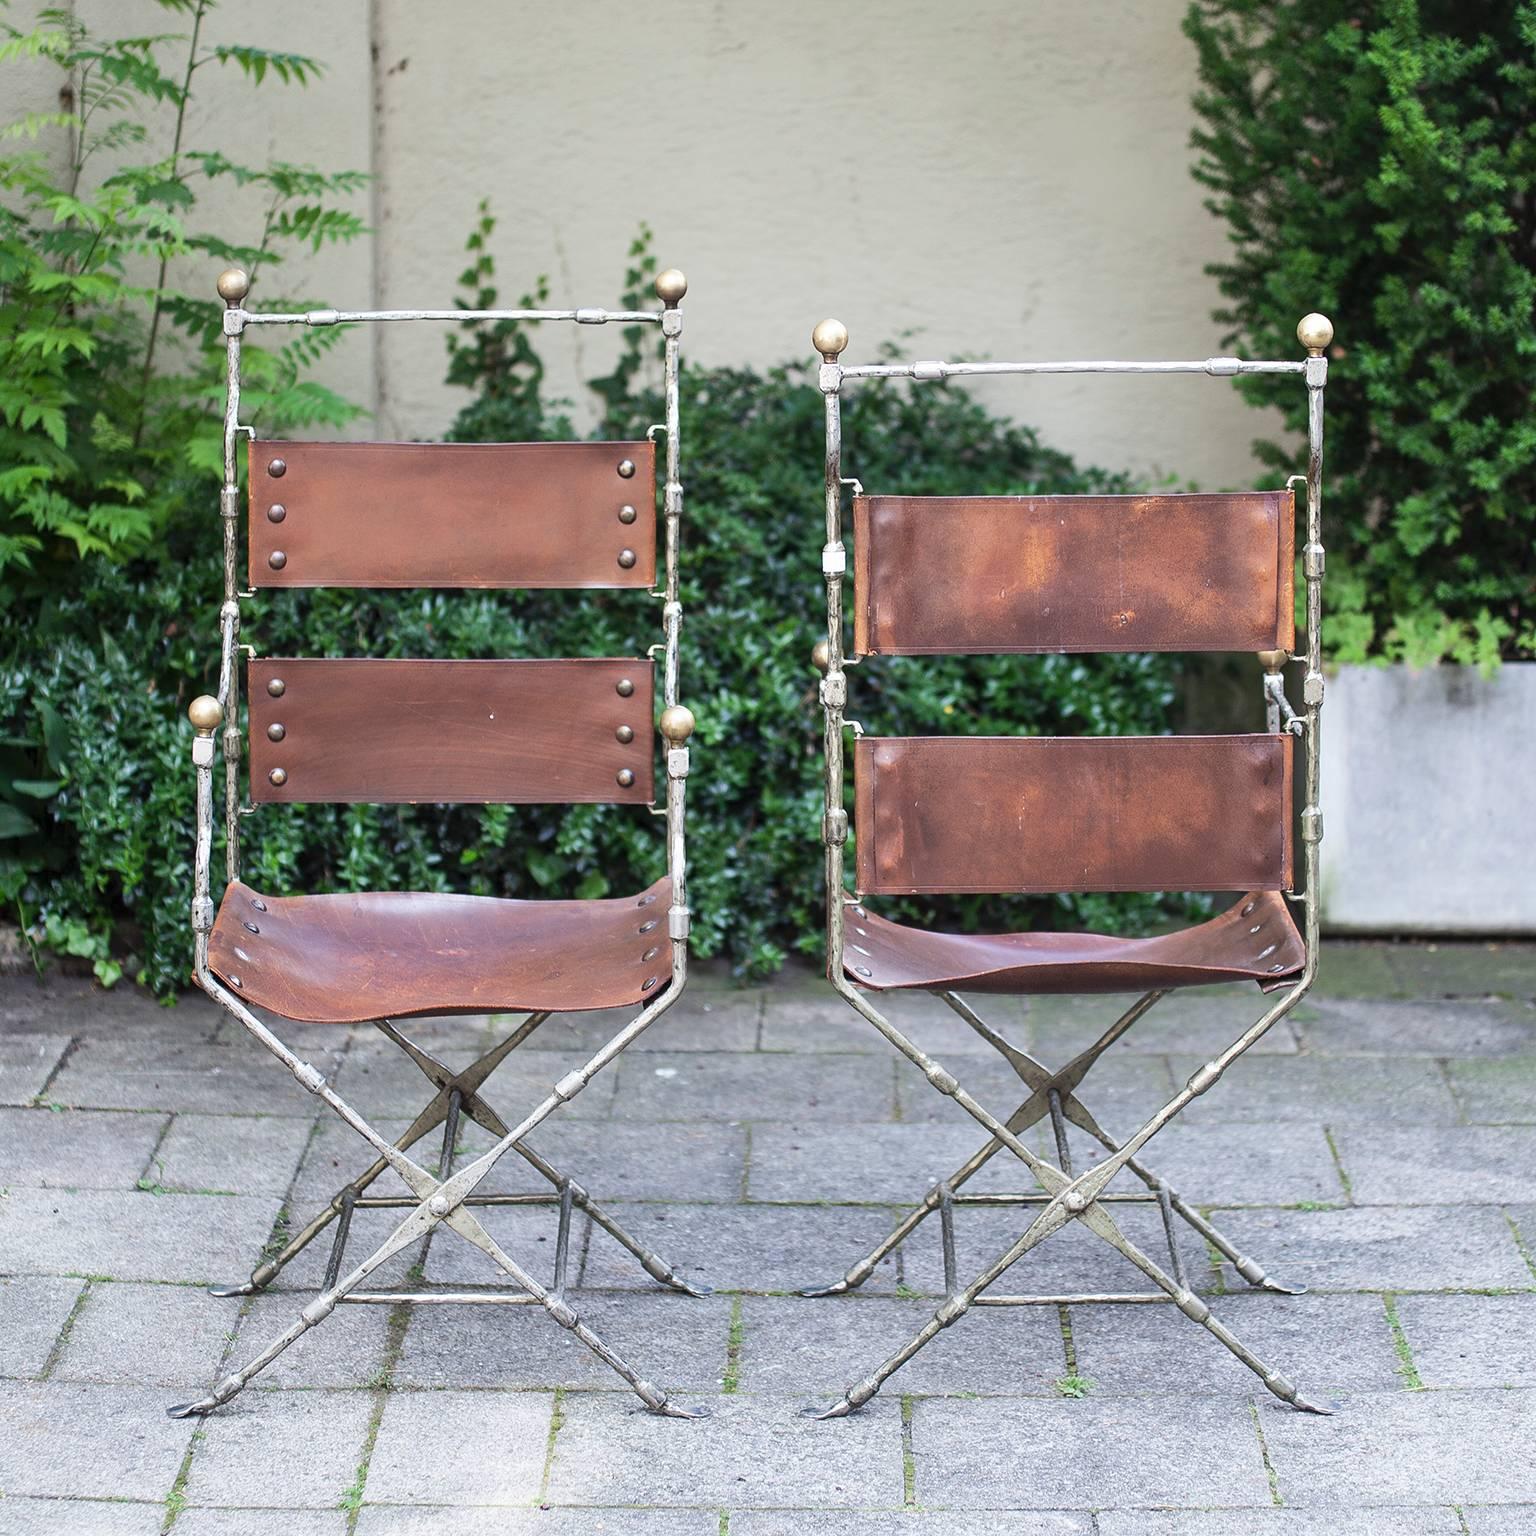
(1069, 1198)
(440, 1200)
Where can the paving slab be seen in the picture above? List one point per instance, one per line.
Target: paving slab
(232, 1154)
(348, 1349)
(1323, 1344)
(171, 1336)
(136, 1236)
(909, 1522)
(67, 1440)
(62, 1005)
(257, 1522)
(527, 1236)
(1060, 1027)
(76, 1148)
(33, 1310)
(1378, 1027)
(1439, 1165)
(1073, 1454)
(1471, 1341)
(680, 1343)
(1324, 1090)
(461, 1448)
(747, 1248)
(26, 1063)
(1350, 969)
(619, 1160)
(819, 1020)
(800, 1344)
(1501, 1520)
(1380, 1248)
(1469, 969)
(448, 1520)
(23, 1516)
(747, 1454)
(707, 1021)
(1407, 1448)
(1522, 1222)
(280, 1450)
(1340, 1521)
(694, 1085)
(1499, 1092)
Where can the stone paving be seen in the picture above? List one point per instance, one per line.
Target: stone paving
(1379, 1146)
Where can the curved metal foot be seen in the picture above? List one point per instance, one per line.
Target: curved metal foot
(832, 1288)
(839, 1410)
(203, 1405)
(672, 1411)
(685, 1289)
(245, 1288)
(1279, 1287)
(1301, 1405)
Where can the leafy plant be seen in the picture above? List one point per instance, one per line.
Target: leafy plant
(1375, 159)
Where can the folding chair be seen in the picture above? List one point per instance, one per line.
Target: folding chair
(1049, 574)
(501, 515)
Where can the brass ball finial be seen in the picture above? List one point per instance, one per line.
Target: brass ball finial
(821, 656)
(829, 338)
(1272, 661)
(671, 285)
(676, 724)
(1314, 333)
(234, 284)
(205, 713)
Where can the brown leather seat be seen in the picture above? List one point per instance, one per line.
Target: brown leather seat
(347, 959)
(1254, 940)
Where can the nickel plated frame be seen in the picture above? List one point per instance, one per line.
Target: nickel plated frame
(445, 1197)
(1065, 1194)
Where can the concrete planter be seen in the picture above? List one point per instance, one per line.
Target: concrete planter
(1428, 817)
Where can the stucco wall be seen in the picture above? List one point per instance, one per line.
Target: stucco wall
(994, 177)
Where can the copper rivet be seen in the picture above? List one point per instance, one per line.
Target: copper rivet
(626, 469)
(278, 776)
(861, 970)
(277, 469)
(626, 777)
(651, 953)
(625, 733)
(277, 559)
(624, 688)
(647, 927)
(627, 514)
(260, 906)
(648, 983)
(250, 927)
(275, 732)
(276, 512)
(626, 558)
(276, 687)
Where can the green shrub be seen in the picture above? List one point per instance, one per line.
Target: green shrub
(114, 662)
(1375, 159)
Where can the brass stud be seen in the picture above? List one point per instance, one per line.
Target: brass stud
(861, 970)
(829, 338)
(625, 734)
(260, 905)
(278, 777)
(648, 983)
(626, 558)
(650, 954)
(277, 559)
(276, 512)
(650, 925)
(627, 514)
(821, 656)
(205, 713)
(275, 732)
(646, 901)
(626, 777)
(1272, 661)
(276, 687)
(1314, 332)
(626, 469)
(233, 284)
(250, 927)
(624, 688)
(671, 285)
(277, 468)
(676, 724)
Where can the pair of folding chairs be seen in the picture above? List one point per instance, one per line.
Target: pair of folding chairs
(1016, 814)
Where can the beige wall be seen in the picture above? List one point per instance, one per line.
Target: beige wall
(1000, 177)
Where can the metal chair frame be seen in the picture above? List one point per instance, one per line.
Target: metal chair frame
(1064, 1194)
(446, 1198)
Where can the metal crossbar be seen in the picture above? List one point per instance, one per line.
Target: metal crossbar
(451, 1197)
(1064, 1194)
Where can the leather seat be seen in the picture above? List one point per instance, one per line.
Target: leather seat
(349, 959)
(1254, 940)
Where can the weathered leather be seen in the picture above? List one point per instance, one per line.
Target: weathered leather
(1255, 940)
(504, 731)
(345, 959)
(1047, 814)
(987, 574)
(452, 515)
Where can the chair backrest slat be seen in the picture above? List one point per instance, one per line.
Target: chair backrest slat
(974, 575)
(1032, 814)
(388, 731)
(452, 514)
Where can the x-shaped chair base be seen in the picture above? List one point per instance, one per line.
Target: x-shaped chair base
(445, 1200)
(1064, 1196)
